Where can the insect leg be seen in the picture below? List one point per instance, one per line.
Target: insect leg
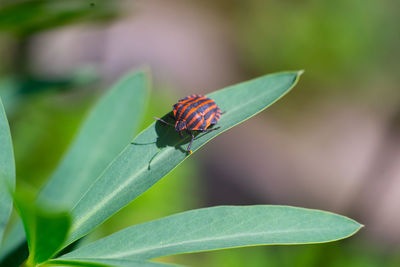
(210, 130)
(191, 141)
(163, 121)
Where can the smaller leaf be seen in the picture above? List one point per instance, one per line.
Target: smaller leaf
(219, 228)
(7, 170)
(45, 230)
(95, 262)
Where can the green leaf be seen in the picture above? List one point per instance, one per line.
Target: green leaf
(96, 262)
(159, 149)
(219, 228)
(46, 230)
(7, 171)
(109, 127)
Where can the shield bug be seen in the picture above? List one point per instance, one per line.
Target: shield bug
(194, 113)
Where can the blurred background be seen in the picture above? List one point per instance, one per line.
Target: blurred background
(333, 143)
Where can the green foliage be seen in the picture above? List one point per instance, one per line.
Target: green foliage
(108, 128)
(30, 16)
(14, 250)
(7, 170)
(45, 230)
(349, 252)
(159, 149)
(218, 228)
(102, 172)
(96, 144)
(332, 36)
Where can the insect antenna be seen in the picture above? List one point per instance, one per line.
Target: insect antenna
(163, 121)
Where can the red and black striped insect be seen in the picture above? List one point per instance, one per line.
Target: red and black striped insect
(194, 113)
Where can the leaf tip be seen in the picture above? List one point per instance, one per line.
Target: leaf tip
(143, 70)
(357, 228)
(300, 72)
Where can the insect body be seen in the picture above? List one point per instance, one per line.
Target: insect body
(194, 113)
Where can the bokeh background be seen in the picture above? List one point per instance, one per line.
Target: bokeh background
(333, 143)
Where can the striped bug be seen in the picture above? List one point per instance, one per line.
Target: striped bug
(194, 113)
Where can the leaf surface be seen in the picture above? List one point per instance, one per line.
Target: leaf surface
(96, 262)
(106, 131)
(159, 149)
(7, 171)
(218, 228)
